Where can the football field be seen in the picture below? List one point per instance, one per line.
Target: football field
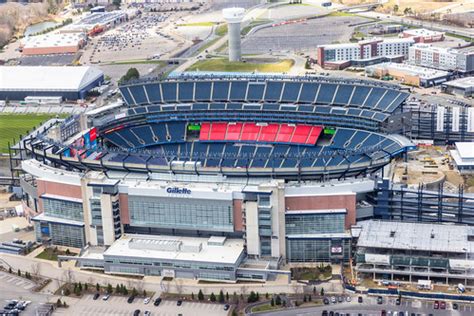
(14, 125)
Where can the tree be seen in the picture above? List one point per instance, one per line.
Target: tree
(253, 297)
(67, 292)
(192, 296)
(304, 298)
(322, 291)
(134, 292)
(132, 73)
(35, 268)
(227, 296)
(309, 298)
(19, 272)
(257, 297)
(97, 287)
(109, 288)
(80, 287)
(278, 300)
(235, 298)
(212, 297)
(200, 295)
(124, 290)
(86, 286)
(58, 303)
(117, 289)
(10, 270)
(395, 8)
(283, 303)
(266, 295)
(221, 297)
(272, 302)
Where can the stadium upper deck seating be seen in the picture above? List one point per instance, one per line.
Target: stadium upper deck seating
(303, 91)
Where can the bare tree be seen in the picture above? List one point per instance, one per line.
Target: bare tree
(68, 276)
(35, 269)
(139, 286)
(179, 286)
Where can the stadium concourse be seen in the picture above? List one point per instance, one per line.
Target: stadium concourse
(265, 170)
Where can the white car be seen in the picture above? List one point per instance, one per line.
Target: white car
(106, 297)
(146, 300)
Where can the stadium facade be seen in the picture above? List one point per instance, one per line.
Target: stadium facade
(283, 164)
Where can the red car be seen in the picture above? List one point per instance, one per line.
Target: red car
(442, 305)
(436, 305)
(383, 313)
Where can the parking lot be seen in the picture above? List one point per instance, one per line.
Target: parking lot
(302, 35)
(117, 305)
(13, 287)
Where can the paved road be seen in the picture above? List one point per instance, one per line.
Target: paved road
(371, 308)
(422, 24)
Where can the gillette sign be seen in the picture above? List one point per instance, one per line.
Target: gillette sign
(176, 190)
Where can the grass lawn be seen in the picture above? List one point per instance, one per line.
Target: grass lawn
(264, 308)
(198, 24)
(53, 253)
(222, 64)
(14, 125)
(221, 30)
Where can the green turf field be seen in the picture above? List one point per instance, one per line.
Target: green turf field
(222, 64)
(14, 125)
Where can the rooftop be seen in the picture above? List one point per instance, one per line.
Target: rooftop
(465, 83)
(422, 72)
(422, 32)
(177, 248)
(465, 149)
(47, 78)
(416, 236)
(53, 40)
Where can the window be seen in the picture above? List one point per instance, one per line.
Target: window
(63, 209)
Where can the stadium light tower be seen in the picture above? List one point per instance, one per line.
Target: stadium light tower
(234, 16)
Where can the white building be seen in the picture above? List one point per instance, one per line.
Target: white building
(463, 155)
(366, 50)
(442, 58)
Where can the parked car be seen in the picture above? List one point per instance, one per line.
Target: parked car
(226, 307)
(380, 300)
(436, 305)
(179, 303)
(131, 299)
(136, 312)
(146, 300)
(398, 301)
(360, 299)
(106, 297)
(442, 305)
(326, 301)
(157, 301)
(96, 296)
(333, 299)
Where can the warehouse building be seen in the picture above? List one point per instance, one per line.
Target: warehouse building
(410, 252)
(70, 83)
(57, 43)
(409, 74)
(463, 87)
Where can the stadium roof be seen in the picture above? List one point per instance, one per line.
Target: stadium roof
(416, 236)
(47, 78)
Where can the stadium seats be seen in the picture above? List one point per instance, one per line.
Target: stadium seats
(238, 91)
(186, 91)
(343, 95)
